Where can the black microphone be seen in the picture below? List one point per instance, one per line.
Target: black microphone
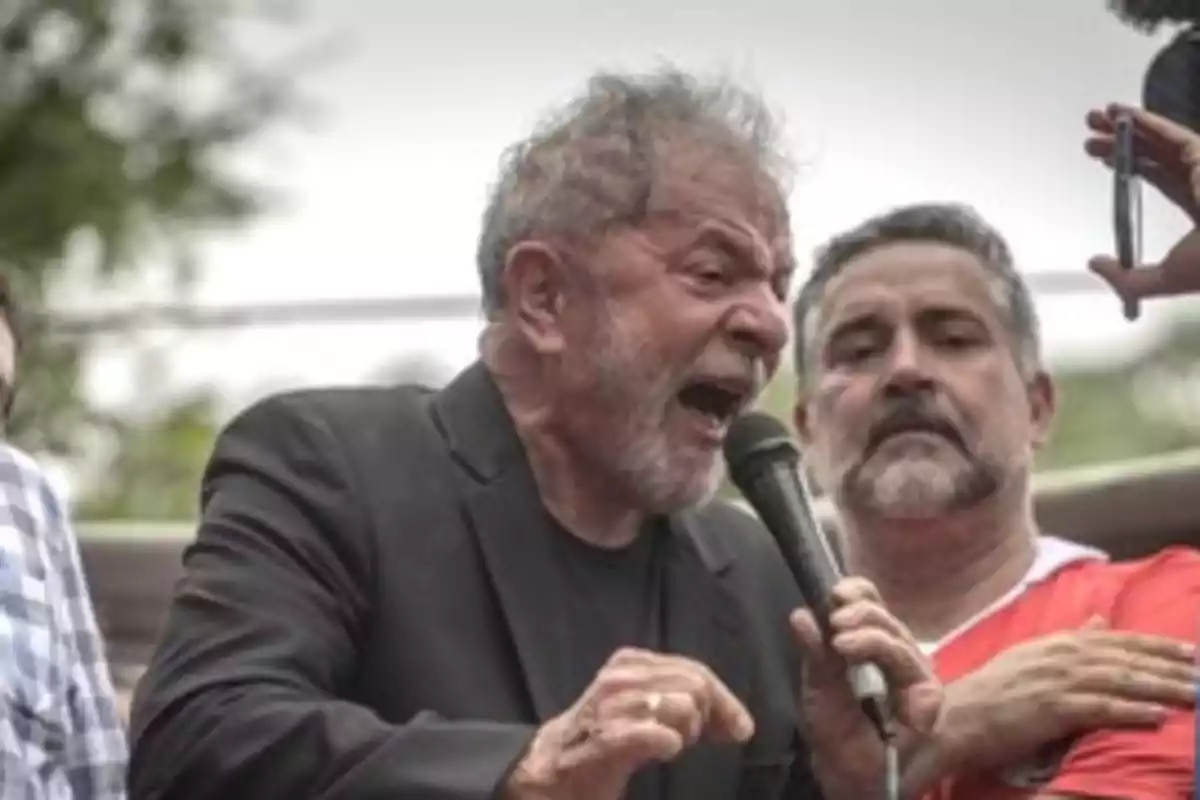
(764, 464)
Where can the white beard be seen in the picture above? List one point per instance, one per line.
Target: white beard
(667, 481)
(913, 487)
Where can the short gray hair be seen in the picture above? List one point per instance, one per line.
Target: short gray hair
(952, 224)
(592, 164)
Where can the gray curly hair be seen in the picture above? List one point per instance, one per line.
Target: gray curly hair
(591, 164)
(953, 224)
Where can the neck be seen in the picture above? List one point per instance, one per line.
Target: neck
(936, 575)
(574, 490)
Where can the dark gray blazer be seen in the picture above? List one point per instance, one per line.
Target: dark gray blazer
(368, 613)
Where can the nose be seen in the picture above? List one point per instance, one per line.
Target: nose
(758, 325)
(908, 369)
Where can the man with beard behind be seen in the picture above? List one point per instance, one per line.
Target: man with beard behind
(513, 587)
(923, 399)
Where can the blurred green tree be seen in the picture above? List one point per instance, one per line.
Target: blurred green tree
(156, 466)
(1128, 410)
(117, 122)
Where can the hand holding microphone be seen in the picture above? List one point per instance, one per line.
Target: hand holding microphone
(863, 668)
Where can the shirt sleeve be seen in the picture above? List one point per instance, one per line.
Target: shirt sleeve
(1163, 598)
(60, 730)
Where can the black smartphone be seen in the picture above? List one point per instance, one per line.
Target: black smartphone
(1127, 204)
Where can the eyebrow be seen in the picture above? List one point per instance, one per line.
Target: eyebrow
(722, 237)
(780, 263)
(943, 312)
(855, 323)
(865, 319)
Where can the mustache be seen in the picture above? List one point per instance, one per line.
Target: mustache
(906, 416)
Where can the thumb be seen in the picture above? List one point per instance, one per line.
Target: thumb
(821, 662)
(1110, 270)
(1128, 284)
(807, 631)
(920, 705)
(1095, 623)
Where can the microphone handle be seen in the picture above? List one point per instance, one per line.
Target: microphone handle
(816, 569)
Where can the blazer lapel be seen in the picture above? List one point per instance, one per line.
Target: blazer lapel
(513, 530)
(514, 534)
(702, 622)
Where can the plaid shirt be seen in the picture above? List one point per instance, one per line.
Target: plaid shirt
(61, 736)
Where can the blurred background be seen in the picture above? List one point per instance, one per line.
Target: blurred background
(204, 201)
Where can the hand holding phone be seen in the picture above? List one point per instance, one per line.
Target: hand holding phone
(1154, 150)
(1127, 204)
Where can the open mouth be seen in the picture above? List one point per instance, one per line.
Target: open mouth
(717, 400)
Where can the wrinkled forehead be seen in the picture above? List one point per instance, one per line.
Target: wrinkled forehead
(700, 182)
(898, 281)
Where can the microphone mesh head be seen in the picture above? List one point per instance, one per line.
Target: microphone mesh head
(752, 435)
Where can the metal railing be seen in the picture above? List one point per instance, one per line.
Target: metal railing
(1129, 509)
(186, 316)
(1089, 479)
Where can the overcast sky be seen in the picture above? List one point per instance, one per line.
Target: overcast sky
(887, 101)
